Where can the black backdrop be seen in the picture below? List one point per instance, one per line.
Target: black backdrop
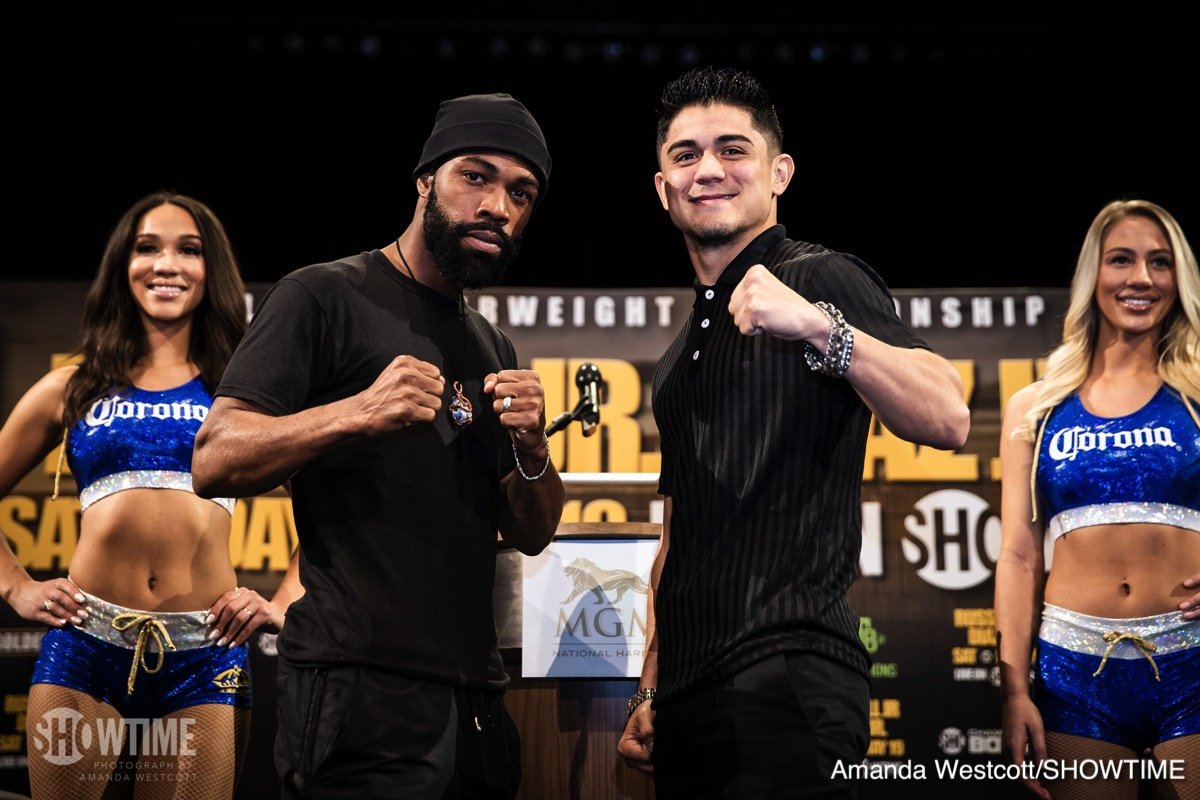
(957, 144)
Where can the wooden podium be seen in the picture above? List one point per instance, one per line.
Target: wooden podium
(569, 726)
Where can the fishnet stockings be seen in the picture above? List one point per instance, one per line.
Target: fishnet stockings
(1067, 749)
(1186, 748)
(201, 759)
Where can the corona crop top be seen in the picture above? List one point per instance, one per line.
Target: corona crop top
(1142, 467)
(139, 439)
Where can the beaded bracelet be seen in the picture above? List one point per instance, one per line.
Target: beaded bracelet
(517, 458)
(836, 360)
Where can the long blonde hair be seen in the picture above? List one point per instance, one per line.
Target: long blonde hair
(1179, 343)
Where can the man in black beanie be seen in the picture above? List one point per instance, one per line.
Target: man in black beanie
(408, 438)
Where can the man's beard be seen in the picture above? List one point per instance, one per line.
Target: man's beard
(464, 268)
(714, 235)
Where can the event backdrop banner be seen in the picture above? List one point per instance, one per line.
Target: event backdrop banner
(930, 518)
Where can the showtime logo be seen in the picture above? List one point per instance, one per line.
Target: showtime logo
(976, 741)
(953, 539)
(63, 736)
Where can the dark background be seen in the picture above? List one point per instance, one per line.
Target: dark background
(957, 145)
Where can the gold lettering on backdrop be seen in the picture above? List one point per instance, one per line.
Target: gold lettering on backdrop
(58, 533)
(52, 546)
(905, 461)
(14, 510)
(263, 532)
(572, 510)
(618, 429)
(619, 436)
(1015, 375)
(552, 372)
(268, 538)
(602, 510)
(237, 532)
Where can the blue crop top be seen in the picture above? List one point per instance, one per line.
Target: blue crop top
(1142, 467)
(139, 439)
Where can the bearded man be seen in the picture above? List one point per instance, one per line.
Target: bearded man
(408, 438)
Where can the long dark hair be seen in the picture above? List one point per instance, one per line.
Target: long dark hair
(114, 335)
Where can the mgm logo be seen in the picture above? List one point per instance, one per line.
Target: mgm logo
(587, 577)
(606, 618)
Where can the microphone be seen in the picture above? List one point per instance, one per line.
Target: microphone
(592, 390)
(590, 384)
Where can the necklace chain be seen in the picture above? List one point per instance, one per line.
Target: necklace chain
(459, 407)
(462, 301)
(404, 260)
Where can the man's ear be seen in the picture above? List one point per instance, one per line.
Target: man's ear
(424, 184)
(783, 167)
(660, 186)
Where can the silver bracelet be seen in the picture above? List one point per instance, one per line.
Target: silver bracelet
(517, 458)
(839, 348)
(639, 697)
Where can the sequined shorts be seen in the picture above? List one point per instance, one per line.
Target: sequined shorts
(174, 667)
(1131, 682)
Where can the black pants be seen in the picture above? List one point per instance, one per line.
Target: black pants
(775, 730)
(347, 732)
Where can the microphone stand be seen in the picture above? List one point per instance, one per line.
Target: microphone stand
(567, 417)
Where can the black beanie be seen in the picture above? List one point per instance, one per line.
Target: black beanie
(490, 123)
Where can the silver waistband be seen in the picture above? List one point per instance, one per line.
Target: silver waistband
(144, 479)
(1083, 633)
(1122, 513)
(121, 626)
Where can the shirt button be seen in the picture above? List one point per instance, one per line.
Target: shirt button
(704, 324)
(695, 355)
(709, 295)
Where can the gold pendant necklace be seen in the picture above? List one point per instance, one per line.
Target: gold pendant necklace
(459, 408)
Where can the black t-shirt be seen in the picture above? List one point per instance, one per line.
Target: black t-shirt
(763, 460)
(397, 533)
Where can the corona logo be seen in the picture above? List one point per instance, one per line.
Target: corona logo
(953, 539)
(104, 412)
(1070, 442)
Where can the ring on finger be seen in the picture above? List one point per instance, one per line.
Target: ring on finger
(507, 404)
(46, 605)
(248, 611)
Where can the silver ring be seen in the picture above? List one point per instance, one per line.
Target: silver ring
(249, 613)
(45, 605)
(507, 404)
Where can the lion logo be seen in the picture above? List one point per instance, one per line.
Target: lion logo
(587, 577)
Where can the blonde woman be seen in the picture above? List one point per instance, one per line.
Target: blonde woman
(1101, 457)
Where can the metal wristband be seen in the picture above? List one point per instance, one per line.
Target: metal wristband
(839, 348)
(639, 697)
(520, 469)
